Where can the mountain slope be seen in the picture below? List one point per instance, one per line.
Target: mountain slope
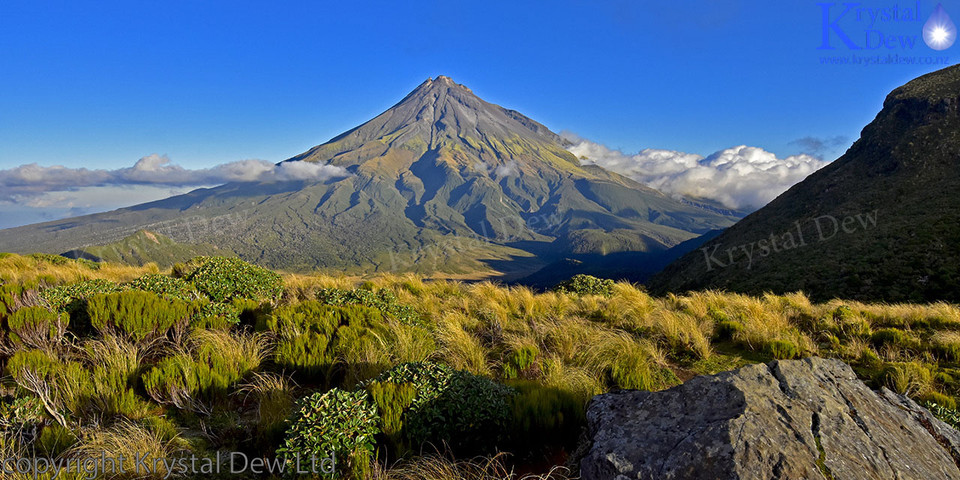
(896, 189)
(441, 181)
(145, 247)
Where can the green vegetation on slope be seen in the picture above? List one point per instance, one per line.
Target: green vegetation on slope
(878, 224)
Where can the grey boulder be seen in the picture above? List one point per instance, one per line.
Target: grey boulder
(795, 419)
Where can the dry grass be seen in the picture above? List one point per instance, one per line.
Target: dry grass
(27, 270)
(441, 467)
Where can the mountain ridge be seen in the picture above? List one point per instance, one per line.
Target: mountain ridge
(901, 171)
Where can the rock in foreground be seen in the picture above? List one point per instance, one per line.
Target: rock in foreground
(796, 419)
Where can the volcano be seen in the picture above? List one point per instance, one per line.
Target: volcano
(442, 182)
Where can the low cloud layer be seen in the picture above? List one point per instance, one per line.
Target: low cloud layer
(741, 177)
(32, 193)
(156, 170)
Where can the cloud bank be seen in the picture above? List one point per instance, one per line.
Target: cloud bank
(742, 177)
(33, 193)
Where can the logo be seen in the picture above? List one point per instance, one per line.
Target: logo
(939, 32)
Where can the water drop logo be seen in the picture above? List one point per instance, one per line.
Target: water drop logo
(939, 32)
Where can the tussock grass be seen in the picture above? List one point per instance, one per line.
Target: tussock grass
(441, 467)
(234, 383)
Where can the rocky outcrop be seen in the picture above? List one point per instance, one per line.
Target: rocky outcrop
(797, 419)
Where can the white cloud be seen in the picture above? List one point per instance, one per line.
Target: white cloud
(741, 177)
(46, 193)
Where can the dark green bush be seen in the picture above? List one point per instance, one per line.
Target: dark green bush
(64, 376)
(938, 398)
(383, 300)
(224, 279)
(136, 314)
(207, 314)
(336, 422)
(468, 413)
(586, 285)
(216, 363)
(165, 286)
(392, 401)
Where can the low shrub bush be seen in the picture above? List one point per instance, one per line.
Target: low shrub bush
(165, 286)
(520, 362)
(70, 298)
(894, 337)
(36, 327)
(313, 338)
(216, 362)
(467, 413)
(586, 285)
(337, 422)
(383, 300)
(224, 279)
(136, 314)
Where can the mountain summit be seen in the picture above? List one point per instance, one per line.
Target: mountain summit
(440, 182)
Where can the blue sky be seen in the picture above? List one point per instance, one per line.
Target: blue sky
(102, 84)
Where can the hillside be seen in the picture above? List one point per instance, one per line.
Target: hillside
(880, 223)
(442, 181)
(144, 247)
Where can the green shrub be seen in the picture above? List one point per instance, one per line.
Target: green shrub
(950, 416)
(520, 361)
(70, 298)
(468, 413)
(207, 314)
(67, 380)
(848, 324)
(392, 401)
(383, 300)
(36, 327)
(224, 279)
(313, 337)
(869, 358)
(782, 349)
(54, 440)
(337, 422)
(586, 285)
(49, 258)
(217, 361)
(136, 314)
(164, 286)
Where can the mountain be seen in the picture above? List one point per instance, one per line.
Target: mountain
(882, 222)
(440, 182)
(145, 247)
